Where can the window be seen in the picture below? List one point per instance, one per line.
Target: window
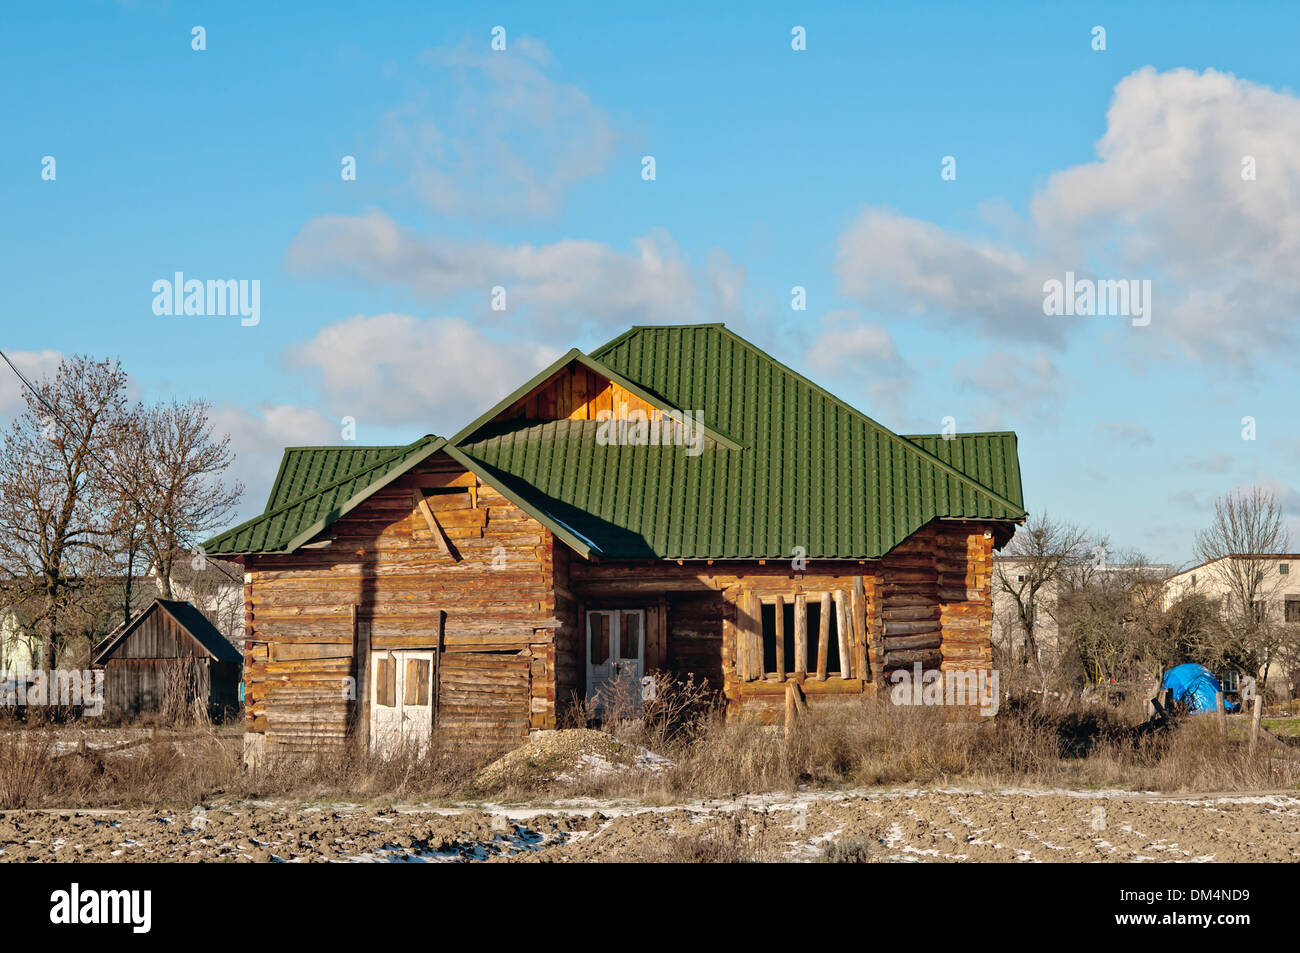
(1283, 569)
(1293, 610)
(788, 662)
(1020, 578)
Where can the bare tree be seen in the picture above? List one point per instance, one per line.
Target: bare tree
(172, 467)
(1106, 612)
(56, 523)
(1034, 562)
(1248, 528)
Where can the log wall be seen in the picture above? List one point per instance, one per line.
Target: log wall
(481, 592)
(928, 601)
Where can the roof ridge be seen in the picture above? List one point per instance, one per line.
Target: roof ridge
(593, 364)
(970, 433)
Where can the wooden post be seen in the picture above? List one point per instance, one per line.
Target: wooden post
(801, 634)
(824, 636)
(789, 708)
(363, 684)
(859, 611)
(780, 639)
(1254, 723)
(741, 644)
(747, 637)
(1219, 713)
(844, 630)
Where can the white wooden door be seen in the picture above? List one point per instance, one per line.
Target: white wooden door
(615, 655)
(401, 700)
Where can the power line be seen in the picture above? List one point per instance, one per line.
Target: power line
(107, 469)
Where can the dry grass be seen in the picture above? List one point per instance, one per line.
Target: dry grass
(860, 743)
(36, 770)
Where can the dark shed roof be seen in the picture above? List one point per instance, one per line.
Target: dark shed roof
(191, 620)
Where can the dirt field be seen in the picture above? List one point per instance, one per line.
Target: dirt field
(893, 826)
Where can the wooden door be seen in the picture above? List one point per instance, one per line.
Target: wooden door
(401, 700)
(615, 655)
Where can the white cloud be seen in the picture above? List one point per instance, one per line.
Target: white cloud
(864, 355)
(34, 365)
(1017, 387)
(498, 135)
(563, 285)
(258, 437)
(434, 374)
(1165, 200)
(888, 260)
(1135, 435)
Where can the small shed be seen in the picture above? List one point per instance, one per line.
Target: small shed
(169, 647)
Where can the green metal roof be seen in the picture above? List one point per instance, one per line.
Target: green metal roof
(814, 472)
(284, 528)
(785, 464)
(990, 458)
(307, 469)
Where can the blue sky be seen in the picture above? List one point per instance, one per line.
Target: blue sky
(774, 168)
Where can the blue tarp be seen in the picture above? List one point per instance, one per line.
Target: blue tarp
(1195, 686)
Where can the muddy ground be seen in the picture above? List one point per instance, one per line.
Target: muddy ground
(880, 826)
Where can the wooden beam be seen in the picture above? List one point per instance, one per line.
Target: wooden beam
(434, 526)
(824, 636)
(780, 639)
(858, 619)
(844, 631)
(801, 634)
(741, 639)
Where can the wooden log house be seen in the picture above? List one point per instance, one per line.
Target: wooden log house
(675, 501)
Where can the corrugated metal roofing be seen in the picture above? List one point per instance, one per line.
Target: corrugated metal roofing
(807, 470)
(283, 528)
(307, 469)
(991, 458)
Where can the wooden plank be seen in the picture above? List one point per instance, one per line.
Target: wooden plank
(307, 650)
(780, 638)
(801, 634)
(742, 654)
(859, 613)
(844, 631)
(824, 636)
(386, 681)
(439, 538)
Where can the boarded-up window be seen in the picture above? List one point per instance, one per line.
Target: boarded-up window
(812, 625)
(598, 625)
(386, 682)
(417, 682)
